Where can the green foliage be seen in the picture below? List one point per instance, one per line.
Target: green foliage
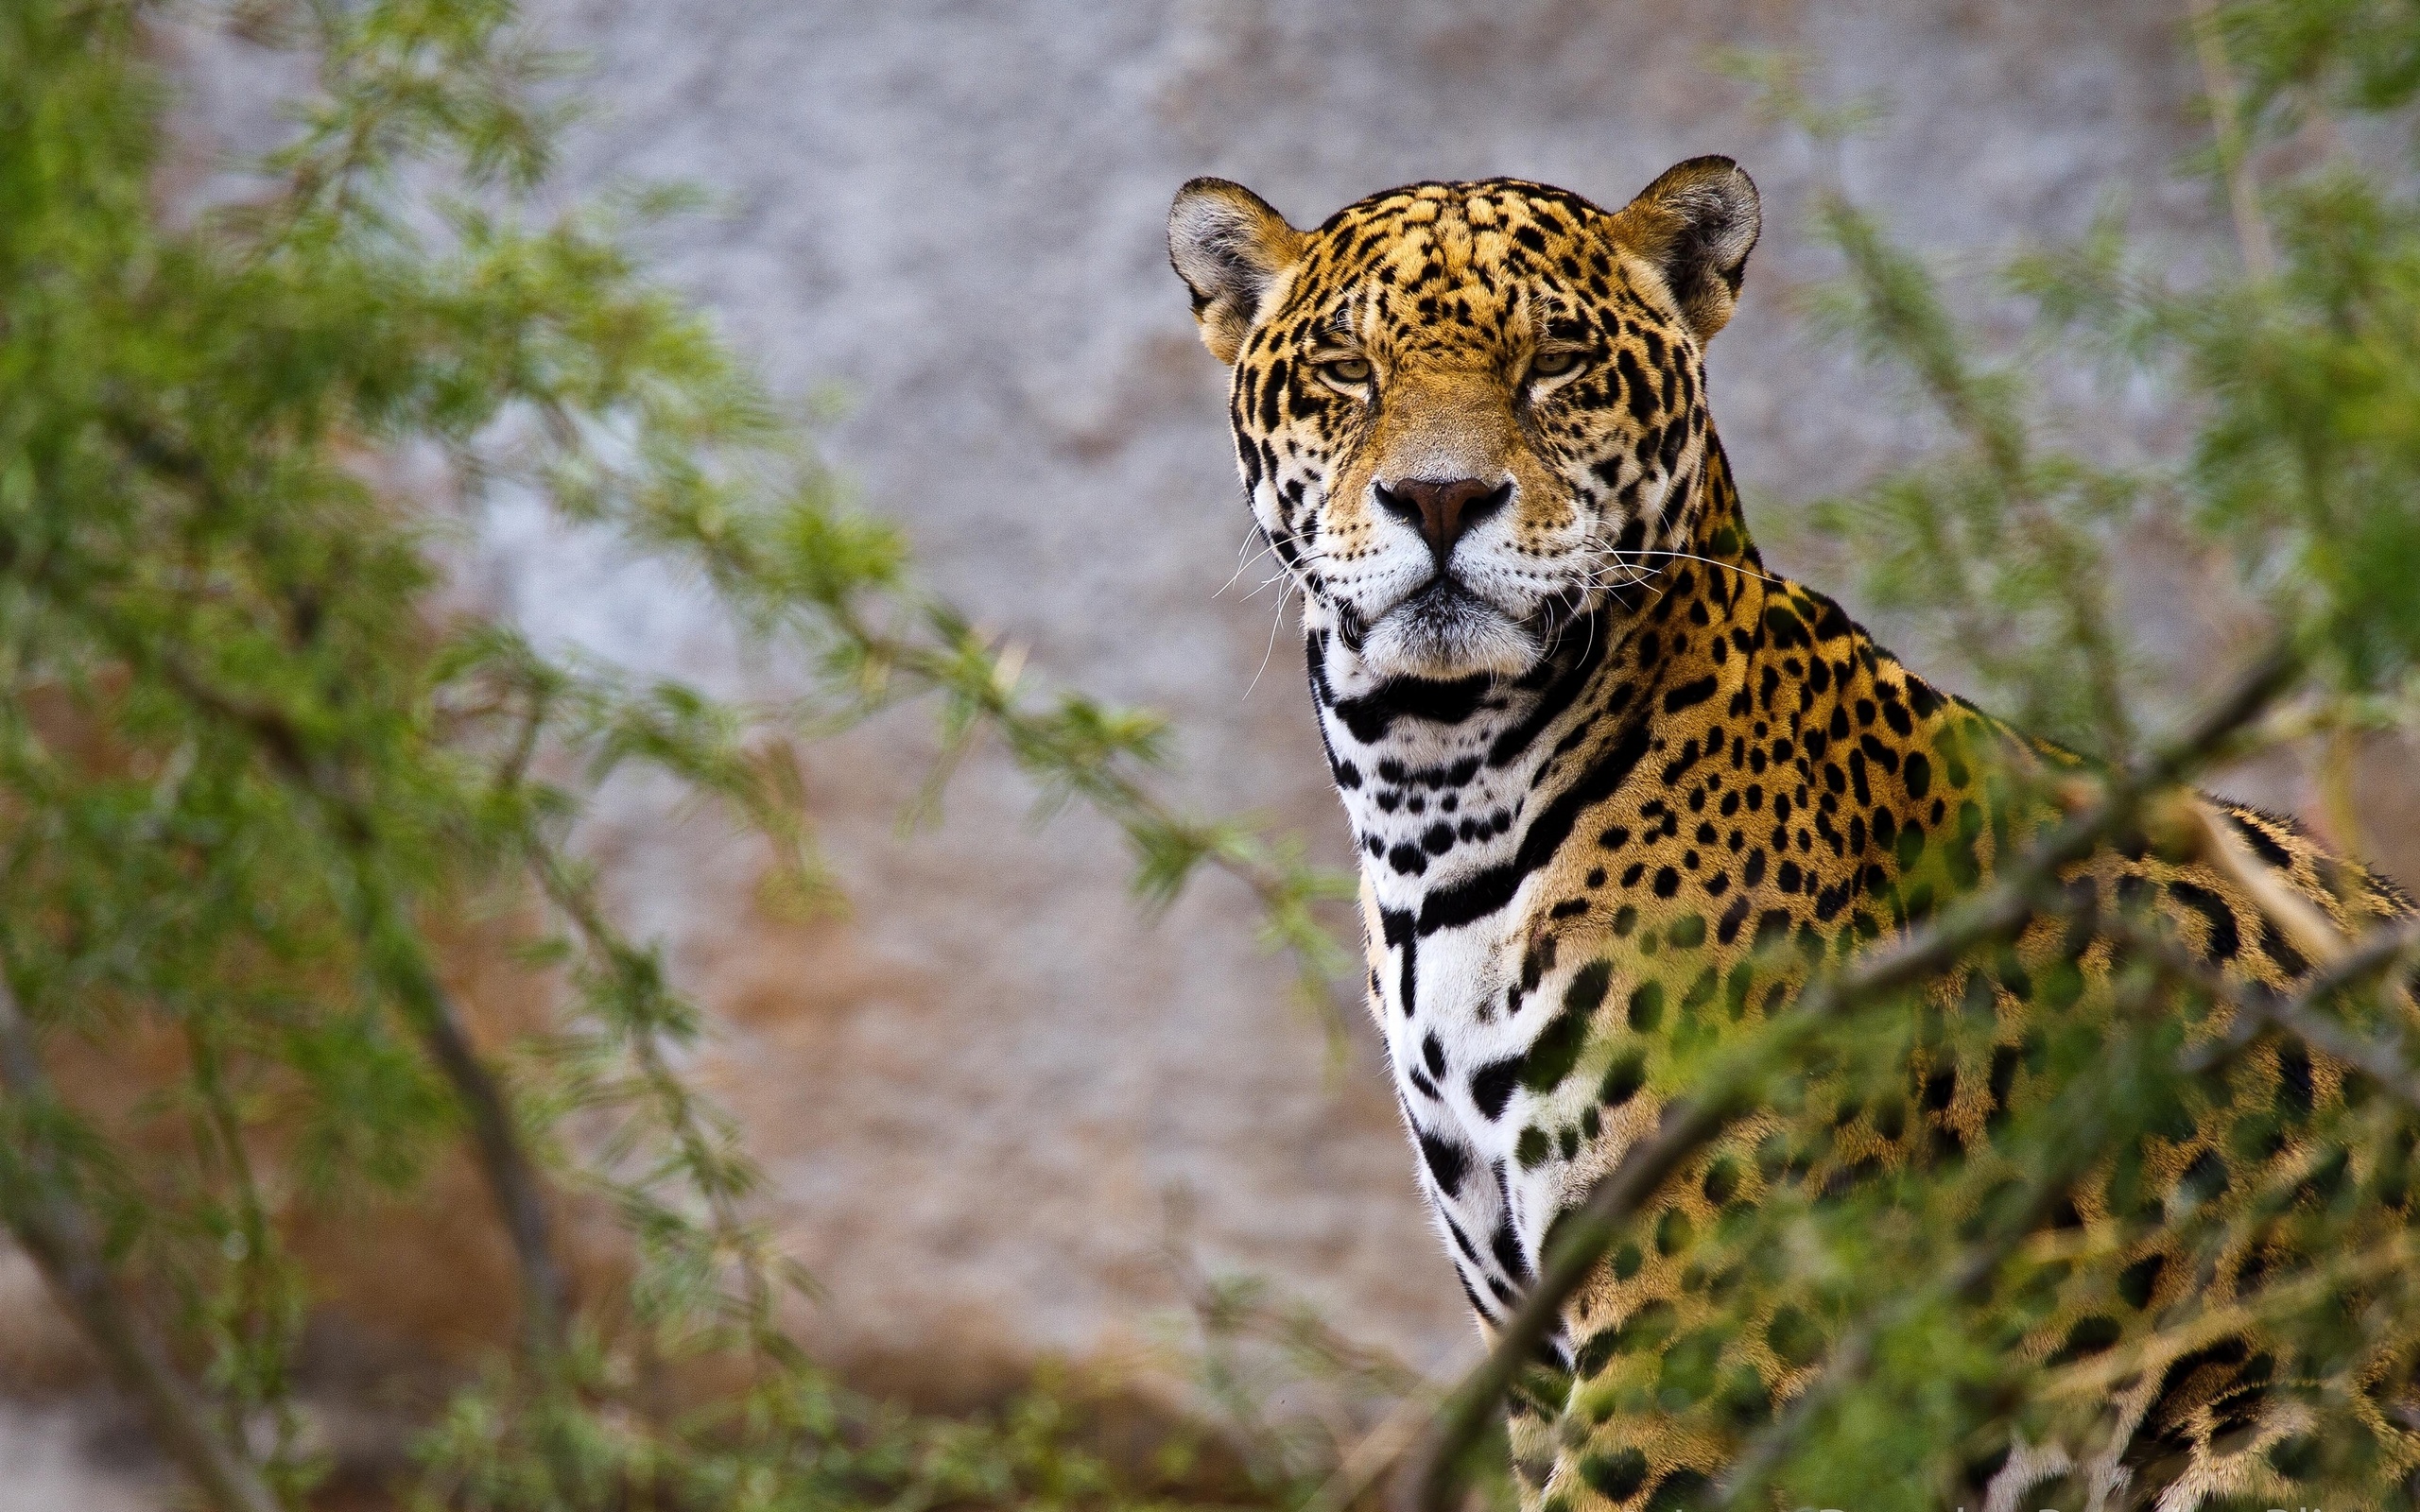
(1285, 1392)
(2297, 377)
(254, 766)
(2001, 542)
(2299, 58)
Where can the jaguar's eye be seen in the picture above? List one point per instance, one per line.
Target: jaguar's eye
(1553, 364)
(1347, 373)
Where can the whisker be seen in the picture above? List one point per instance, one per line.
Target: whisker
(1597, 574)
(1308, 558)
(1280, 577)
(1275, 622)
(1687, 556)
(1268, 547)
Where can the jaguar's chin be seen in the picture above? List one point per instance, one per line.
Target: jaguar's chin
(1446, 632)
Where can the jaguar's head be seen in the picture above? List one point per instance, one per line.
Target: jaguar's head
(1468, 414)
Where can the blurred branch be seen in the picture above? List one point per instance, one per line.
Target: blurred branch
(2386, 1061)
(810, 569)
(43, 1211)
(2331, 1278)
(398, 956)
(262, 1323)
(512, 1179)
(2311, 932)
(1893, 309)
(1966, 1281)
(2233, 143)
(1167, 844)
(1367, 1462)
(705, 1153)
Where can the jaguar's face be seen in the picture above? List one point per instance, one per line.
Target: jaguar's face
(1466, 414)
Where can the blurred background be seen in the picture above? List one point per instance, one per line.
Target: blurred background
(1007, 1116)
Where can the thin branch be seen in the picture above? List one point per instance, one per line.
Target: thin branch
(2384, 1061)
(257, 1326)
(2093, 1378)
(1367, 1462)
(42, 1212)
(496, 1140)
(2384, 1058)
(400, 961)
(1120, 795)
(1431, 1478)
(1917, 331)
(393, 944)
(951, 661)
(1965, 1283)
(707, 1163)
(2310, 931)
(2243, 199)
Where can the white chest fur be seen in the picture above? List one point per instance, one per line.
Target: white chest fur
(1441, 786)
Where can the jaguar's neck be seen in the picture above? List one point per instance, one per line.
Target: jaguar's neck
(1457, 790)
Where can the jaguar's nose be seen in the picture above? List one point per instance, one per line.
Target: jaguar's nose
(1442, 510)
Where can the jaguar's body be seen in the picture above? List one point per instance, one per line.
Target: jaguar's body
(1603, 769)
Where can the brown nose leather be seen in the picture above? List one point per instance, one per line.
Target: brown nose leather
(1442, 510)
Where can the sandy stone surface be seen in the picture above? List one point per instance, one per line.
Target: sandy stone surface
(978, 1093)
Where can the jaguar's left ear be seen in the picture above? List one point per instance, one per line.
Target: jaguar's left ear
(1696, 225)
(1229, 246)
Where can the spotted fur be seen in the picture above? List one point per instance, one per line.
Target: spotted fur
(1600, 764)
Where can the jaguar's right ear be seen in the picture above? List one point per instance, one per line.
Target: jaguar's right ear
(1696, 225)
(1229, 246)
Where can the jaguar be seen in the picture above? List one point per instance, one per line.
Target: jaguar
(1602, 768)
